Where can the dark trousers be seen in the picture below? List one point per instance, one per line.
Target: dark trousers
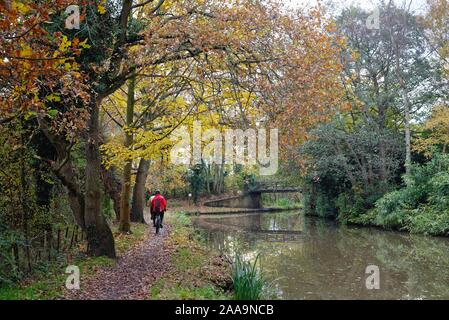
(153, 216)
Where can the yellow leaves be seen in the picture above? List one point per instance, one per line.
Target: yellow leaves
(114, 154)
(26, 51)
(21, 7)
(29, 115)
(437, 22)
(354, 54)
(84, 44)
(129, 130)
(300, 57)
(65, 44)
(147, 146)
(331, 27)
(437, 127)
(101, 8)
(67, 66)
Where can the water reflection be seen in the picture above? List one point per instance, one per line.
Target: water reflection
(309, 258)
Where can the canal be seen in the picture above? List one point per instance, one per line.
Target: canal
(311, 258)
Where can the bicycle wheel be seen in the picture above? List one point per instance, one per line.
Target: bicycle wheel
(158, 223)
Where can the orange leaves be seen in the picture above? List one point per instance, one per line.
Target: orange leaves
(310, 90)
(437, 22)
(288, 63)
(34, 62)
(437, 132)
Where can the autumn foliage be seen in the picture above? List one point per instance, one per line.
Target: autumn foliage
(37, 66)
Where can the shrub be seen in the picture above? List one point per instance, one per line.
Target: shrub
(430, 220)
(439, 190)
(354, 204)
(9, 273)
(247, 279)
(344, 165)
(422, 206)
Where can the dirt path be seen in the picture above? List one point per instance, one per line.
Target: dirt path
(132, 276)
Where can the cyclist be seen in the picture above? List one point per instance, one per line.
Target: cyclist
(158, 206)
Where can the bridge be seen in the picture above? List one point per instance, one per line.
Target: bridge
(251, 198)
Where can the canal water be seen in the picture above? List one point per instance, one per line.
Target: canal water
(311, 258)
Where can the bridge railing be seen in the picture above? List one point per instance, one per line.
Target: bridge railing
(273, 187)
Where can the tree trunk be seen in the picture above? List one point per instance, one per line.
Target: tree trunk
(408, 136)
(65, 171)
(405, 98)
(138, 203)
(407, 116)
(99, 236)
(113, 187)
(23, 196)
(125, 217)
(382, 117)
(68, 178)
(207, 170)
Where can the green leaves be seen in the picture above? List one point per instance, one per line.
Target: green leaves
(422, 205)
(247, 279)
(54, 97)
(53, 113)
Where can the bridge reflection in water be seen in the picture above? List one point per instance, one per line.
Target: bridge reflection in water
(253, 226)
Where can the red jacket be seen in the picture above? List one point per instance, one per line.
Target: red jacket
(163, 202)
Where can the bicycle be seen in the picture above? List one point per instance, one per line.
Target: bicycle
(158, 222)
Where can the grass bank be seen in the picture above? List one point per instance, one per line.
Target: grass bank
(197, 273)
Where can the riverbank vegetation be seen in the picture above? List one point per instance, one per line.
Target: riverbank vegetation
(384, 161)
(421, 206)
